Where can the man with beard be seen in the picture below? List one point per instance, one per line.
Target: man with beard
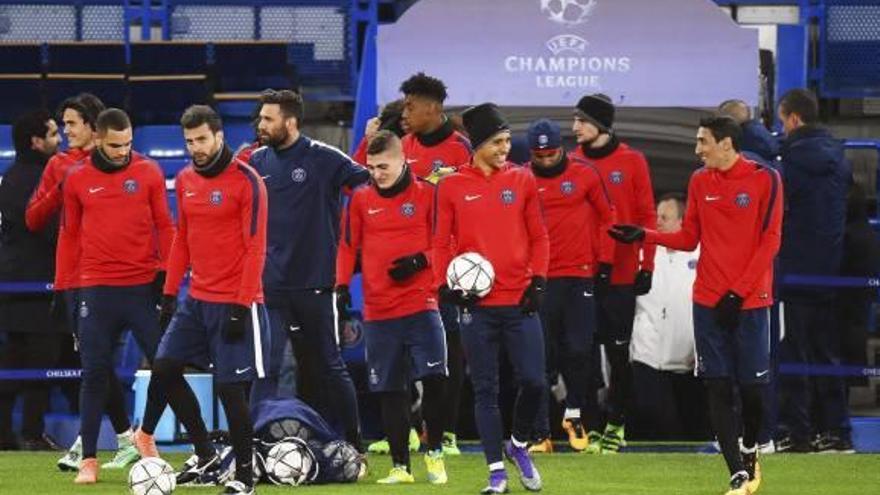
(625, 174)
(305, 179)
(221, 237)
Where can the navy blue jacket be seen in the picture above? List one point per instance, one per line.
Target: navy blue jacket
(816, 178)
(304, 183)
(757, 140)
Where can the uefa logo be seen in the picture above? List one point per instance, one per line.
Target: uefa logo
(616, 177)
(216, 198)
(568, 12)
(407, 209)
(298, 175)
(130, 186)
(742, 200)
(567, 187)
(507, 196)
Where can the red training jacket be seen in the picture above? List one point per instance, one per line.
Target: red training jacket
(454, 151)
(498, 216)
(111, 224)
(736, 217)
(46, 200)
(578, 213)
(221, 235)
(385, 229)
(628, 181)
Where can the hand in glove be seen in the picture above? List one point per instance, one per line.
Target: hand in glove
(642, 285)
(58, 307)
(727, 311)
(406, 266)
(626, 234)
(602, 279)
(157, 286)
(343, 301)
(533, 296)
(456, 297)
(236, 323)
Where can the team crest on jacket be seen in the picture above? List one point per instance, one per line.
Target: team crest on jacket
(216, 197)
(742, 200)
(130, 186)
(298, 175)
(507, 196)
(567, 187)
(437, 165)
(616, 177)
(407, 209)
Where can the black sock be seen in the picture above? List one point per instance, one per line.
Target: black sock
(619, 391)
(183, 401)
(395, 421)
(432, 409)
(455, 382)
(724, 421)
(116, 405)
(752, 412)
(241, 431)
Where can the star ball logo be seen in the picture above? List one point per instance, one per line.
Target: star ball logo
(568, 12)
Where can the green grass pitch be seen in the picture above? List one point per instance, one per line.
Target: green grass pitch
(623, 474)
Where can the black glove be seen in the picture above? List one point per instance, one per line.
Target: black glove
(602, 279)
(166, 311)
(626, 234)
(58, 308)
(343, 301)
(456, 297)
(642, 285)
(727, 311)
(236, 324)
(533, 296)
(406, 266)
(157, 286)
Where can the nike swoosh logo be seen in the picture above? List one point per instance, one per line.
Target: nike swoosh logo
(242, 370)
(372, 211)
(621, 342)
(93, 190)
(542, 189)
(189, 194)
(435, 363)
(265, 176)
(588, 294)
(761, 373)
(471, 198)
(713, 198)
(411, 160)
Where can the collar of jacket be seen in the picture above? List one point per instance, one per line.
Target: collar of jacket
(217, 164)
(32, 157)
(301, 143)
(806, 132)
(433, 138)
(400, 185)
(603, 151)
(552, 171)
(102, 163)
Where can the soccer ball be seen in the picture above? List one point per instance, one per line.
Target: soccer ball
(471, 273)
(289, 427)
(343, 460)
(289, 463)
(568, 12)
(151, 476)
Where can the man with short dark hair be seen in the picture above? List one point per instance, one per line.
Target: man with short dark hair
(734, 213)
(578, 213)
(626, 177)
(34, 339)
(115, 237)
(221, 238)
(817, 176)
(389, 222)
(305, 180)
(756, 139)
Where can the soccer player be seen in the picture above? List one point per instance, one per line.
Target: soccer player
(625, 174)
(434, 148)
(734, 212)
(578, 214)
(221, 238)
(305, 179)
(115, 237)
(389, 222)
(492, 207)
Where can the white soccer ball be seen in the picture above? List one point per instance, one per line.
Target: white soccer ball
(151, 476)
(289, 463)
(471, 273)
(568, 12)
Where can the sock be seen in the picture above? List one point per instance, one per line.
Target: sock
(572, 413)
(156, 402)
(496, 466)
(752, 413)
(620, 389)
(432, 409)
(123, 439)
(183, 401)
(241, 431)
(395, 421)
(723, 419)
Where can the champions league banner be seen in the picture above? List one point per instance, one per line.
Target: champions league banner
(643, 53)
